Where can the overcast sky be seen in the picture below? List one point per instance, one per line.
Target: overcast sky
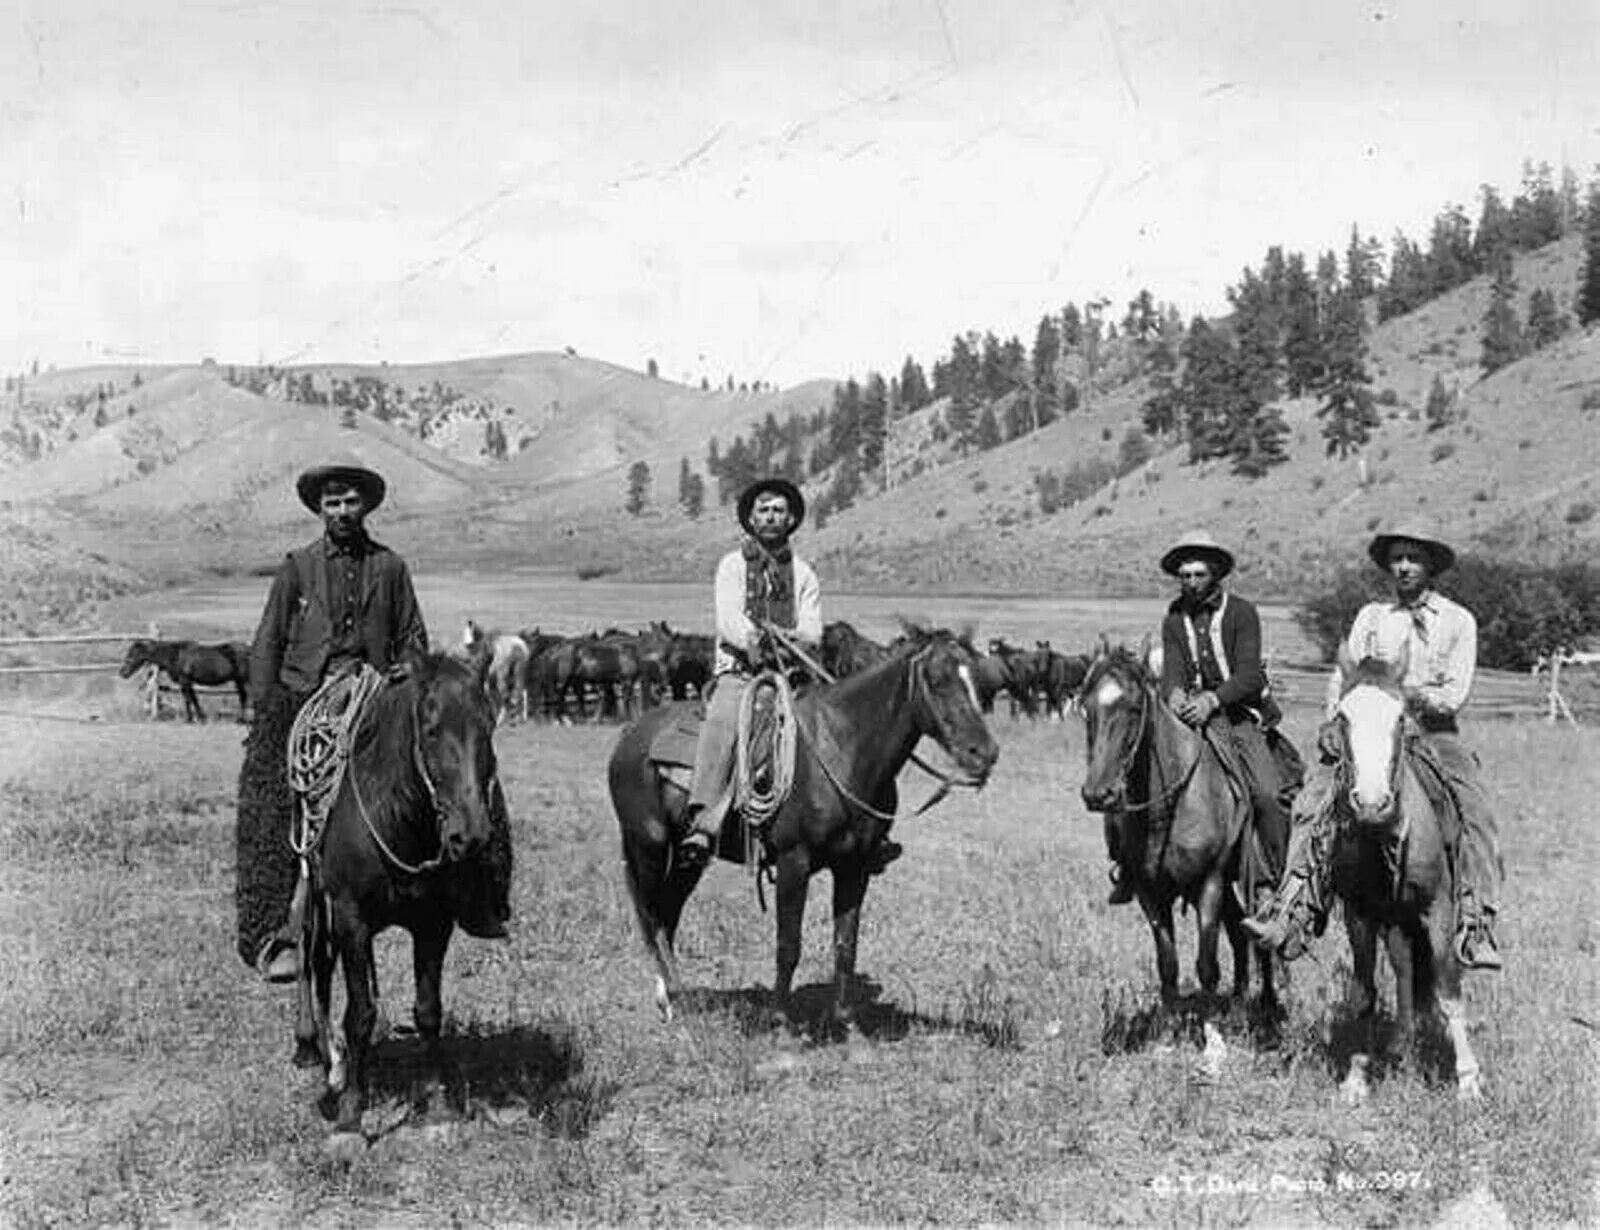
(776, 190)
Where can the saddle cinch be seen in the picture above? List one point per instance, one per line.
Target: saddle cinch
(759, 785)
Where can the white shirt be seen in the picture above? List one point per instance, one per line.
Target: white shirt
(736, 628)
(1440, 638)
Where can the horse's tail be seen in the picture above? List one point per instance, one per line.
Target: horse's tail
(646, 840)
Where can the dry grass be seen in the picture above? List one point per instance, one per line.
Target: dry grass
(1003, 1075)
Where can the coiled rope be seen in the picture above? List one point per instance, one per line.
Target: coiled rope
(319, 750)
(759, 794)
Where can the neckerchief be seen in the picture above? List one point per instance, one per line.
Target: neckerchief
(768, 584)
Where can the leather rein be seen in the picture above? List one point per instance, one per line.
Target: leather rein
(1146, 723)
(947, 782)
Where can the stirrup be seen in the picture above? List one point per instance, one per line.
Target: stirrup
(697, 848)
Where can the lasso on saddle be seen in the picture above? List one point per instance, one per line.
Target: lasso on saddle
(319, 750)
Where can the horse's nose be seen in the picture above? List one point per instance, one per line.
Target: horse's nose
(1098, 798)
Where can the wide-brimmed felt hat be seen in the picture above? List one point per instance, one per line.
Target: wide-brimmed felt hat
(764, 486)
(368, 482)
(1198, 544)
(1441, 556)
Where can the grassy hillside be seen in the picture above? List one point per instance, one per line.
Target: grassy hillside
(187, 472)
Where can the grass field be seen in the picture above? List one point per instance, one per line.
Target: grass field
(1003, 1075)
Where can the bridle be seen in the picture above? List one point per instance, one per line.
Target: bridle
(916, 688)
(1159, 802)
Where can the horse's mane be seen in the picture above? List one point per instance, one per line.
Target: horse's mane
(385, 741)
(1373, 672)
(1118, 658)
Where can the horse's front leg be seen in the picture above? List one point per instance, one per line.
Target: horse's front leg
(1361, 1002)
(794, 878)
(849, 890)
(360, 1019)
(429, 941)
(1209, 914)
(191, 703)
(1159, 915)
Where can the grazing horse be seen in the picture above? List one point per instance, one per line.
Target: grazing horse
(1392, 869)
(1181, 821)
(1020, 670)
(1060, 677)
(416, 837)
(852, 738)
(188, 663)
(501, 659)
(845, 651)
(608, 664)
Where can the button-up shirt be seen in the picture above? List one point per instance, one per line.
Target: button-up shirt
(345, 581)
(734, 627)
(1440, 639)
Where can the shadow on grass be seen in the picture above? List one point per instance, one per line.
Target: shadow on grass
(1128, 1026)
(499, 1070)
(1426, 1056)
(980, 1016)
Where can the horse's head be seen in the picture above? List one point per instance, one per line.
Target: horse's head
(944, 696)
(454, 752)
(1118, 700)
(138, 655)
(1370, 719)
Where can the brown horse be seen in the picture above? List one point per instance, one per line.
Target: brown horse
(853, 737)
(188, 663)
(1392, 870)
(845, 651)
(1181, 822)
(416, 837)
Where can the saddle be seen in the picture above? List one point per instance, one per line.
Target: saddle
(759, 755)
(1260, 863)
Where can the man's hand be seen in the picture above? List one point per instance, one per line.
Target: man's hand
(1196, 710)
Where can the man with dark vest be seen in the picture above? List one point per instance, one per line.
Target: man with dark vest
(1438, 641)
(335, 604)
(762, 582)
(1213, 679)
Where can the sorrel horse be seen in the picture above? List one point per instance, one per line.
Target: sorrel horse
(187, 663)
(1182, 825)
(1392, 870)
(416, 837)
(853, 737)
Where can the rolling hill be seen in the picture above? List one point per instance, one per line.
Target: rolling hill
(179, 469)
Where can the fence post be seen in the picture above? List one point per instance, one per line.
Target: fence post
(152, 683)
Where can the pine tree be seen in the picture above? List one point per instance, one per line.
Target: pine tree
(1436, 413)
(1303, 362)
(874, 422)
(1589, 278)
(1502, 335)
(914, 391)
(1348, 411)
(986, 434)
(1545, 324)
(1203, 392)
(638, 487)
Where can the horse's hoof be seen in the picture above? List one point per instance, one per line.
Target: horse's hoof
(328, 1105)
(344, 1147)
(306, 1054)
(1469, 1089)
(1353, 1093)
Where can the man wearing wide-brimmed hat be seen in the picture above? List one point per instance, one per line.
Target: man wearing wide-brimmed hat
(1438, 640)
(335, 604)
(759, 584)
(1213, 678)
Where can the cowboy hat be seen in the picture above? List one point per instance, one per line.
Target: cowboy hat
(778, 486)
(1440, 555)
(1199, 545)
(347, 473)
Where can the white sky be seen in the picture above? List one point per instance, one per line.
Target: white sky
(774, 189)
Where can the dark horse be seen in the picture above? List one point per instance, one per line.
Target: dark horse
(416, 837)
(188, 663)
(852, 738)
(1181, 822)
(1392, 870)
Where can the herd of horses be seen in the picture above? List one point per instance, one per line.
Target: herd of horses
(419, 805)
(617, 674)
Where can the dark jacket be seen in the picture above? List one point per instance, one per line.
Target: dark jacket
(1242, 690)
(295, 637)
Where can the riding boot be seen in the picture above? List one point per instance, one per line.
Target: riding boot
(699, 844)
(279, 960)
(1289, 920)
(1474, 940)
